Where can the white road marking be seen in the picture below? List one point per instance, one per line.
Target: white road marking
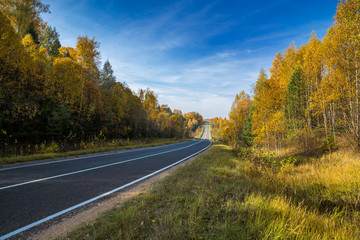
(97, 197)
(93, 168)
(91, 156)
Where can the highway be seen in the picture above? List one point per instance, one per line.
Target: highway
(33, 194)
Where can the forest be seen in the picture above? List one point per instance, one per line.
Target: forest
(309, 99)
(58, 94)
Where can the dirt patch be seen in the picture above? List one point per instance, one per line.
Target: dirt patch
(67, 224)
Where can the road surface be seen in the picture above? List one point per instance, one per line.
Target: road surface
(33, 194)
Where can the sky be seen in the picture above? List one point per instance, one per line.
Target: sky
(195, 55)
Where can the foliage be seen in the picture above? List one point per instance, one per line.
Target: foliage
(107, 79)
(50, 92)
(313, 90)
(25, 16)
(295, 101)
(50, 41)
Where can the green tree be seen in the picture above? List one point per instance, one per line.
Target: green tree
(295, 101)
(247, 135)
(50, 41)
(107, 79)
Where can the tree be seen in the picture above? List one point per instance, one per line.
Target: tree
(150, 104)
(312, 73)
(87, 55)
(21, 87)
(262, 108)
(25, 16)
(295, 101)
(247, 135)
(238, 113)
(50, 41)
(107, 79)
(64, 85)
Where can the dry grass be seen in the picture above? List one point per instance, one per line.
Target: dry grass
(221, 196)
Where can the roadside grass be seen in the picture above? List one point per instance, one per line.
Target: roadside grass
(222, 195)
(88, 149)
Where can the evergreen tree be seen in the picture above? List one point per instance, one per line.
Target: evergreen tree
(107, 79)
(295, 100)
(246, 132)
(50, 41)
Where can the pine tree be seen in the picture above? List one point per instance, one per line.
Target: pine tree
(50, 41)
(247, 135)
(107, 79)
(295, 100)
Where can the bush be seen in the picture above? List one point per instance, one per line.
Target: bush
(330, 144)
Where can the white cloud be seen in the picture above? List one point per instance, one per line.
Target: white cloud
(141, 52)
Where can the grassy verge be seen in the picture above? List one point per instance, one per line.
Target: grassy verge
(51, 155)
(224, 196)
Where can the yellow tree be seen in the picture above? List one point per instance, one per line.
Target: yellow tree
(151, 105)
(25, 16)
(88, 57)
(65, 83)
(262, 108)
(238, 113)
(312, 73)
(268, 117)
(290, 61)
(20, 84)
(347, 47)
(338, 95)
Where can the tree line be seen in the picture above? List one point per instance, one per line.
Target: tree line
(56, 93)
(311, 94)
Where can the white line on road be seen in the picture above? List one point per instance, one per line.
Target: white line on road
(97, 197)
(91, 156)
(93, 168)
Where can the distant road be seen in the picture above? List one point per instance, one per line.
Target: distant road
(206, 134)
(33, 194)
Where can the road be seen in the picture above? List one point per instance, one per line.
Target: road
(33, 194)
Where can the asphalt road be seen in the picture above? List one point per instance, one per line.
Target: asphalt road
(33, 194)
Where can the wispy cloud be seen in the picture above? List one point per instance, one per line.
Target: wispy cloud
(194, 55)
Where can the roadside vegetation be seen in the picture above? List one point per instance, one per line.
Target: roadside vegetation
(228, 195)
(51, 151)
(309, 98)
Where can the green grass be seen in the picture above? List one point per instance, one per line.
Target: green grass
(223, 196)
(93, 149)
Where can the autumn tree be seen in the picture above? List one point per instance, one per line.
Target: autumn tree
(20, 85)
(25, 16)
(150, 103)
(57, 93)
(238, 113)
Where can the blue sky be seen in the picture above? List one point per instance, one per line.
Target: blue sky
(196, 55)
